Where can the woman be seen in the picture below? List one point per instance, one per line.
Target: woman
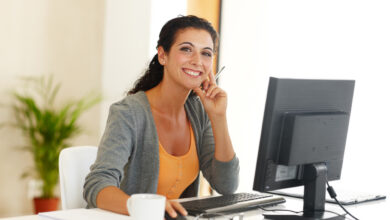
(159, 137)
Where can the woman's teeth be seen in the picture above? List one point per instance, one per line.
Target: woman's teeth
(192, 73)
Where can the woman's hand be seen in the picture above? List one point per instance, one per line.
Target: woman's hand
(172, 207)
(214, 99)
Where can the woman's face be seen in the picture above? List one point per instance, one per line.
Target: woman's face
(190, 58)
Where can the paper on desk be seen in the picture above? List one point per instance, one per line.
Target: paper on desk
(82, 214)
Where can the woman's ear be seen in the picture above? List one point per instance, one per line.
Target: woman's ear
(161, 55)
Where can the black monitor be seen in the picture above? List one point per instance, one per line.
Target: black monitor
(303, 139)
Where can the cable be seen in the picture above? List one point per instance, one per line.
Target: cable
(338, 214)
(296, 212)
(280, 210)
(240, 215)
(231, 216)
(333, 195)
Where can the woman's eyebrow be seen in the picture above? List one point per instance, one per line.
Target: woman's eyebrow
(186, 42)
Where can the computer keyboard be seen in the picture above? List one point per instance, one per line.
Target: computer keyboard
(230, 203)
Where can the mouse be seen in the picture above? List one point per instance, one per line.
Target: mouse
(178, 217)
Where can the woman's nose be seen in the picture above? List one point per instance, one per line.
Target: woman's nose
(196, 59)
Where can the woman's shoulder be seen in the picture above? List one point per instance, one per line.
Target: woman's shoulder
(135, 103)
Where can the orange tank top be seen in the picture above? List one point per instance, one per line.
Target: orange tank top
(176, 173)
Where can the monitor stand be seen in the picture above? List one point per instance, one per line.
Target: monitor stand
(314, 177)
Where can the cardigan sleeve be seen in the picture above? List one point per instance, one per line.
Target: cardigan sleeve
(113, 153)
(222, 176)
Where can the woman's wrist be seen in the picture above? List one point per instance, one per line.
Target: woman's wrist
(223, 146)
(218, 119)
(113, 199)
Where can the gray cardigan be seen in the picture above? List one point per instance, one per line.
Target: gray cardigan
(128, 154)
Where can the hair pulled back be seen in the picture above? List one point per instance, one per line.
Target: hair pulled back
(154, 73)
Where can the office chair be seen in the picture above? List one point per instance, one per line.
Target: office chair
(74, 163)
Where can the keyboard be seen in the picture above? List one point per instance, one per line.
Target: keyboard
(230, 203)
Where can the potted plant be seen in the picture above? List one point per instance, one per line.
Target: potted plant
(48, 129)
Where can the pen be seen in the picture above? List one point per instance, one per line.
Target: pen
(219, 73)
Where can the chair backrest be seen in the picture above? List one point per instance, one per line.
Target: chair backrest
(74, 164)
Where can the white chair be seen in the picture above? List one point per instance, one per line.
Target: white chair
(74, 163)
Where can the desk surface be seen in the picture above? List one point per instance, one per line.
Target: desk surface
(370, 210)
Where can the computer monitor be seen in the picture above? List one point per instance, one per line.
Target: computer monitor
(303, 138)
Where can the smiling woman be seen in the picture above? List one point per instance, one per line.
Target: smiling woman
(160, 137)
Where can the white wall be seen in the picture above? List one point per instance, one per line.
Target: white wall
(130, 38)
(44, 37)
(163, 11)
(125, 48)
(334, 39)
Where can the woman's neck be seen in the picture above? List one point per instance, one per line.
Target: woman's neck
(167, 99)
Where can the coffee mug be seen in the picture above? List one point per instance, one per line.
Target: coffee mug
(146, 206)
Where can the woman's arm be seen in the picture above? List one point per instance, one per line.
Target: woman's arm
(113, 154)
(218, 161)
(113, 199)
(214, 100)
(223, 145)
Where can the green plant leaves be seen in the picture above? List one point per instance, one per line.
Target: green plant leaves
(47, 128)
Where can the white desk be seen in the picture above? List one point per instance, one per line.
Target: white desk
(366, 211)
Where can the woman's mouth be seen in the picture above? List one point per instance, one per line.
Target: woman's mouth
(192, 73)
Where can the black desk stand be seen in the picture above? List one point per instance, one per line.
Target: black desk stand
(315, 177)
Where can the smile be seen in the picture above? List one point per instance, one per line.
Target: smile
(192, 73)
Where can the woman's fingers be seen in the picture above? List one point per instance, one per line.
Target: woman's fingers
(172, 207)
(200, 93)
(178, 207)
(206, 84)
(170, 210)
(215, 92)
(209, 81)
(211, 90)
(212, 78)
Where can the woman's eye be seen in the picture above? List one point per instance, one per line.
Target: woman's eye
(207, 54)
(186, 49)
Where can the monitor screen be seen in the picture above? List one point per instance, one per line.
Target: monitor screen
(305, 122)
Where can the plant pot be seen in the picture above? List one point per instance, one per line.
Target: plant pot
(45, 204)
